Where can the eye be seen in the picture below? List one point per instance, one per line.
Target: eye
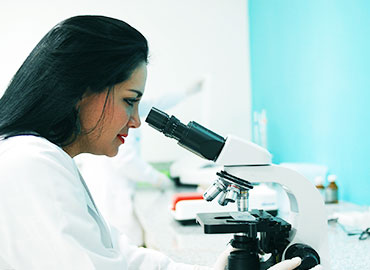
(130, 102)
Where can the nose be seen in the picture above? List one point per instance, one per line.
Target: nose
(134, 121)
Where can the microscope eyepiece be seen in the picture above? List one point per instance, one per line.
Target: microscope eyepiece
(193, 137)
(157, 119)
(169, 126)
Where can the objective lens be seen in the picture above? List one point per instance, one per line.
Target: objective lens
(232, 193)
(221, 200)
(243, 202)
(214, 190)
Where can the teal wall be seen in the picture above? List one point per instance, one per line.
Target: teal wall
(310, 64)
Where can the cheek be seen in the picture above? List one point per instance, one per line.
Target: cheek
(122, 115)
(90, 115)
(94, 110)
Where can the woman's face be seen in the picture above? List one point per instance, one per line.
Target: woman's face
(104, 129)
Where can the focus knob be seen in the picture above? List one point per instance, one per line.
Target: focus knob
(309, 256)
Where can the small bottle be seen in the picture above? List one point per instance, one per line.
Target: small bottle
(319, 182)
(331, 192)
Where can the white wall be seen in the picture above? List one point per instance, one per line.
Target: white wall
(188, 39)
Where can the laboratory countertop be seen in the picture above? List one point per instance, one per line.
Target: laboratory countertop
(188, 244)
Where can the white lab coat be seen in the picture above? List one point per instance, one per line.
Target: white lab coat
(112, 181)
(112, 187)
(49, 221)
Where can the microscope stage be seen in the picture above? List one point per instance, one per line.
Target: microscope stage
(249, 222)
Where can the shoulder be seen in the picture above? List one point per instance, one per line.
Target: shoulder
(33, 167)
(30, 145)
(32, 152)
(27, 140)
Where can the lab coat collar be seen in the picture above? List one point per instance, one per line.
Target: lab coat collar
(94, 212)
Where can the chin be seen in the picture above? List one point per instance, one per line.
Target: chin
(112, 153)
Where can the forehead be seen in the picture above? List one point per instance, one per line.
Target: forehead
(136, 83)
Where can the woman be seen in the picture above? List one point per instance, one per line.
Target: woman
(125, 171)
(77, 92)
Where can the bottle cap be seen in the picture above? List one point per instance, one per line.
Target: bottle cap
(319, 180)
(332, 178)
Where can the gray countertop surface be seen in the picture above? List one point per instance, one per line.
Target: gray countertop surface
(188, 244)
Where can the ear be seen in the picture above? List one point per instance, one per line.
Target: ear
(78, 104)
(84, 99)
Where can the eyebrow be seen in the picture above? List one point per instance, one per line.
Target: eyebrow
(139, 94)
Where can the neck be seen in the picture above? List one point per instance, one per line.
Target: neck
(72, 149)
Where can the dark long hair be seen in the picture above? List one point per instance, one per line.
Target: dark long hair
(82, 53)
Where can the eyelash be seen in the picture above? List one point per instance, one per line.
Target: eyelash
(130, 102)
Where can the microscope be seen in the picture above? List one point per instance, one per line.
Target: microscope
(260, 239)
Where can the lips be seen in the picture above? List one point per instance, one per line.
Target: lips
(121, 137)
